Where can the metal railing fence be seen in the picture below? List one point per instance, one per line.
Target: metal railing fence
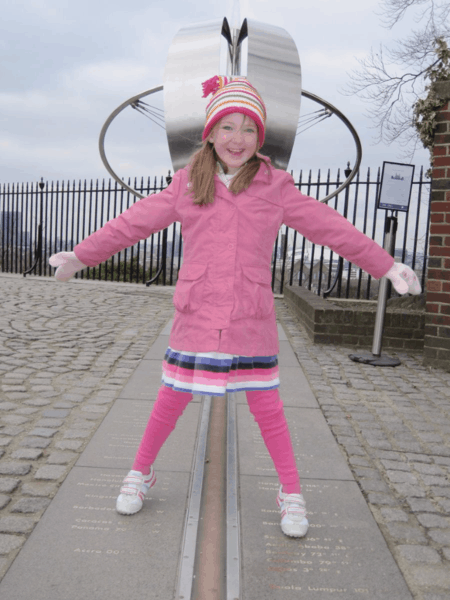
(54, 217)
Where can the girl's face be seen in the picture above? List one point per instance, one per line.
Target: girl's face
(235, 139)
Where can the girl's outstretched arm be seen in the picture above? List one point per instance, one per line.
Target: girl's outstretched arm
(141, 220)
(323, 225)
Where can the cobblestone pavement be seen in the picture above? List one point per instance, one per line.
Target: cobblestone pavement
(393, 425)
(66, 351)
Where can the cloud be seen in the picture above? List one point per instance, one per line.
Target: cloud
(67, 65)
(119, 77)
(330, 63)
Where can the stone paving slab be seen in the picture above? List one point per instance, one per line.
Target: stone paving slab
(344, 552)
(294, 388)
(343, 555)
(117, 439)
(158, 349)
(145, 381)
(286, 356)
(82, 548)
(316, 453)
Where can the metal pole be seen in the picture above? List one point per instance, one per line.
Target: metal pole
(375, 357)
(338, 277)
(389, 246)
(39, 243)
(162, 268)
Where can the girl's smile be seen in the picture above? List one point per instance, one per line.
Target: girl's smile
(235, 139)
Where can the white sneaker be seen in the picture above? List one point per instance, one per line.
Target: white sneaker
(134, 487)
(293, 514)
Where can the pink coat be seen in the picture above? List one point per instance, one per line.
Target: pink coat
(223, 297)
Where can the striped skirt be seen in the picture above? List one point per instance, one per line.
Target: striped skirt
(215, 373)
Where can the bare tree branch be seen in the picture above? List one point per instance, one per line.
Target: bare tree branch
(393, 78)
(433, 11)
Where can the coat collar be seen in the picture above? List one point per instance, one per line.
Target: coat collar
(264, 173)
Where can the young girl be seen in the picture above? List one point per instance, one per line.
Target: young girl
(231, 203)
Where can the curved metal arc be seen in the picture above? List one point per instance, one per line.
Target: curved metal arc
(158, 88)
(109, 120)
(356, 139)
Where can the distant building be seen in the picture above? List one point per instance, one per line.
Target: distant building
(11, 230)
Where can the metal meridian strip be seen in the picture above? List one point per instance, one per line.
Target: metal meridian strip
(189, 543)
(233, 534)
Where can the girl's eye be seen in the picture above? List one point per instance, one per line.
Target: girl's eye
(249, 130)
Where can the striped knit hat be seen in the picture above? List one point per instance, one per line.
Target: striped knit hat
(231, 95)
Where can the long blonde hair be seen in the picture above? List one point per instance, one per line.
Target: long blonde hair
(203, 167)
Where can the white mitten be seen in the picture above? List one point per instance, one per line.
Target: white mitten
(67, 263)
(404, 279)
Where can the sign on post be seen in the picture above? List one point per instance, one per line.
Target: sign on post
(395, 195)
(396, 186)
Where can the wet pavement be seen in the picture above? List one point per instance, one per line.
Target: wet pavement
(68, 351)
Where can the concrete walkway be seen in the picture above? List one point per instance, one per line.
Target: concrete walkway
(377, 491)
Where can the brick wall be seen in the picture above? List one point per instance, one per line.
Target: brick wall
(437, 321)
(329, 323)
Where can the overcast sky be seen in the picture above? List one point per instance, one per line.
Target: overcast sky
(66, 65)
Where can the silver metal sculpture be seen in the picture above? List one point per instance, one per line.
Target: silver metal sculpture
(273, 67)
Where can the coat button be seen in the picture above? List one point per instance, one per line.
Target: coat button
(230, 246)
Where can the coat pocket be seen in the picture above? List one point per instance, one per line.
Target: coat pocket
(189, 289)
(257, 296)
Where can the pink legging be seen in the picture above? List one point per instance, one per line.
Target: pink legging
(265, 406)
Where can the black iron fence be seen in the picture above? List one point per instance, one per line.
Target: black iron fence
(38, 220)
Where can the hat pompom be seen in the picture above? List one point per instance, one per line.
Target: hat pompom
(212, 85)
